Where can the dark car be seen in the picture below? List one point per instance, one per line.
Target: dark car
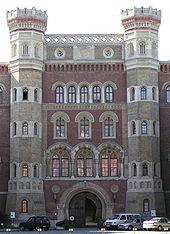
(35, 222)
(65, 224)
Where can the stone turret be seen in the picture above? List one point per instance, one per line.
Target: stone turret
(144, 189)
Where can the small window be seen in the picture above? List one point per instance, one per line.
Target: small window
(168, 94)
(35, 171)
(13, 50)
(154, 128)
(133, 128)
(15, 95)
(25, 170)
(144, 169)
(144, 128)
(132, 94)
(37, 51)
(25, 128)
(14, 170)
(134, 167)
(35, 95)
(35, 129)
(108, 127)
(96, 94)
(84, 95)
(72, 94)
(60, 127)
(84, 127)
(142, 48)
(24, 206)
(25, 94)
(1, 96)
(14, 129)
(143, 93)
(25, 49)
(59, 94)
(109, 94)
(154, 93)
(145, 205)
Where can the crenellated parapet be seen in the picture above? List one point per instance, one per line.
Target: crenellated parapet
(27, 19)
(141, 18)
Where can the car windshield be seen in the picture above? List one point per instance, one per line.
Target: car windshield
(115, 217)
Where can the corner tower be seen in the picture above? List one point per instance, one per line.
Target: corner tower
(144, 188)
(25, 187)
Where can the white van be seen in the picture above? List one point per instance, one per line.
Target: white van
(112, 223)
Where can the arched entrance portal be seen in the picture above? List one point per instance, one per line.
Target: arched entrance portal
(86, 209)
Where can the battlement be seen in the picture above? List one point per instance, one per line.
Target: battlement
(20, 19)
(141, 12)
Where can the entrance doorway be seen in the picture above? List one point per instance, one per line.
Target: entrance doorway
(86, 209)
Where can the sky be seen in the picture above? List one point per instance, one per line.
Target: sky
(85, 17)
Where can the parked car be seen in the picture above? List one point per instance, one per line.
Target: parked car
(157, 223)
(100, 223)
(65, 224)
(112, 223)
(131, 224)
(35, 222)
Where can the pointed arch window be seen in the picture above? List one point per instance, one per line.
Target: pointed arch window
(35, 129)
(109, 163)
(1, 95)
(84, 94)
(25, 170)
(14, 170)
(37, 51)
(154, 127)
(25, 128)
(25, 50)
(133, 128)
(134, 168)
(14, 129)
(84, 127)
(35, 171)
(24, 206)
(25, 93)
(154, 93)
(168, 94)
(85, 163)
(59, 94)
(60, 163)
(71, 94)
(142, 48)
(15, 95)
(96, 94)
(144, 169)
(109, 93)
(144, 127)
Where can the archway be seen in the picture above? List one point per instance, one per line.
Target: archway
(86, 209)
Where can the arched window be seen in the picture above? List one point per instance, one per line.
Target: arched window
(25, 170)
(24, 206)
(133, 128)
(143, 93)
(144, 169)
(84, 94)
(109, 163)
(168, 94)
(144, 128)
(37, 51)
(1, 95)
(35, 171)
(96, 94)
(71, 94)
(15, 95)
(14, 170)
(108, 94)
(84, 127)
(142, 48)
(60, 127)
(25, 93)
(25, 128)
(134, 169)
(132, 94)
(60, 164)
(108, 127)
(25, 49)
(13, 50)
(154, 93)
(35, 95)
(145, 205)
(14, 129)
(35, 129)
(154, 128)
(59, 94)
(130, 49)
(85, 162)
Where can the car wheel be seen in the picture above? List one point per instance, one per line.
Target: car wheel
(160, 228)
(21, 228)
(37, 228)
(130, 228)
